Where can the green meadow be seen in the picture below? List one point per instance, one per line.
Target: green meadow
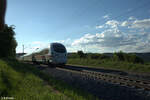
(117, 61)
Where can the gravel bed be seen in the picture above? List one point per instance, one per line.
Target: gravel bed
(136, 75)
(99, 88)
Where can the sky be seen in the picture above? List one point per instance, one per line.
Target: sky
(88, 25)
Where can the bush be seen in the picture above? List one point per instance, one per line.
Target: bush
(119, 56)
(103, 56)
(81, 54)
(7, 43)
(132, 58)
(98, 56)
(72, 55)
(95, 56)
(135, 59)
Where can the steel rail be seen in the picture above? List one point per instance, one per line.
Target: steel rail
(140, 84)
(111, 78)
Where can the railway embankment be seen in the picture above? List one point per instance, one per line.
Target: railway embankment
(22, 81)
(100, 87)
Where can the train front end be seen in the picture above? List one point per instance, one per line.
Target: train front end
(58, 53)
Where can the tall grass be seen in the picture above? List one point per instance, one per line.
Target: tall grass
(24, 82)
(117, 60)
(107, 63)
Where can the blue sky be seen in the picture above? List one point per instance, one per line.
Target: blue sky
(88, 25)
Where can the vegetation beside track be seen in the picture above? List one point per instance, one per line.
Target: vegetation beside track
(119, 61)
(25, 82)
(134, 62)
(8, 42)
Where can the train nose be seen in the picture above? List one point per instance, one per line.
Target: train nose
(61, 59)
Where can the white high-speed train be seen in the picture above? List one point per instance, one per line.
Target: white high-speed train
(57, 55)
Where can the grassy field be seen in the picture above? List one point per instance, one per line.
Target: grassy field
(25, 82)
(119, 65)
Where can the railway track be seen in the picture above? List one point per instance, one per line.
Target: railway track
(139, 84)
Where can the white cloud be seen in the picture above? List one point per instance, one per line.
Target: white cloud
(145, 23)
(130, 23)
(113, 38)
(131, 35)
(131, 18)
(36, 42)
(112, 23)
(64, 41)
(108, 38)
(106, 17)
(99, 26)
(125, 23)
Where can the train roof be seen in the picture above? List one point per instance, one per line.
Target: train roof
(55, 43)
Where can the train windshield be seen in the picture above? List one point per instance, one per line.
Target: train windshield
(59, 48)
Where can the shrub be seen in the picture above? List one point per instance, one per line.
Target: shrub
(132, 58)
(8, 43)
(72, 55)
(81, 54)
(95, 56)
(103, 56)
(119, 56)
(135, 59)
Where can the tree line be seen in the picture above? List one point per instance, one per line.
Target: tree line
(117, 56)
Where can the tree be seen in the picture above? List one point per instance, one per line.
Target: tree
(81, 54)
(119, 56)
(2, 14)
(8, 42)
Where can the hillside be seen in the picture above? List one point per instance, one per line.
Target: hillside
(144, 56)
